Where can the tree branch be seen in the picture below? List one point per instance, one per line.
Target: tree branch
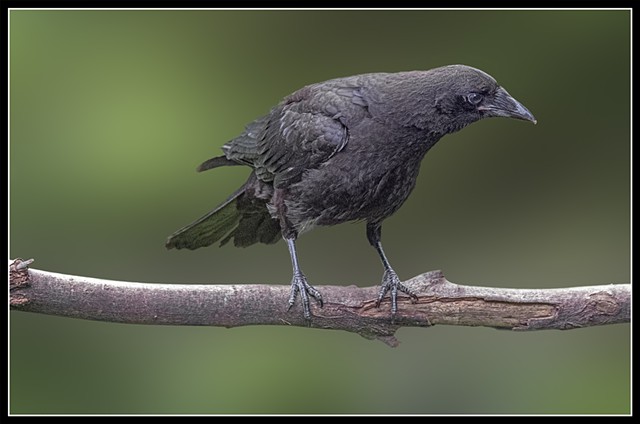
(346, 308)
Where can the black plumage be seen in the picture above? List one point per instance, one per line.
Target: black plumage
(343, 150)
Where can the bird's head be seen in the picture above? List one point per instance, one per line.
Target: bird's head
(444, 100)
(464, 95)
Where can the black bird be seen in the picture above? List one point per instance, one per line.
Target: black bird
(342, 150)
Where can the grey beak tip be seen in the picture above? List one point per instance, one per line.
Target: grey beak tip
(531, 118)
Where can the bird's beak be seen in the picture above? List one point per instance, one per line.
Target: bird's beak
(502, 104)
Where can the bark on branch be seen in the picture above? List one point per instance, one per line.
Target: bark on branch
(346, 308)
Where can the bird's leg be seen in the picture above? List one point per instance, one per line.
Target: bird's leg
(299, 283)
(390, 280)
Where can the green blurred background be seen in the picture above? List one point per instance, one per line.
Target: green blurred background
(111, 111)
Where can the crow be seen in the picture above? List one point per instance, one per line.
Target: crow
(347, 149)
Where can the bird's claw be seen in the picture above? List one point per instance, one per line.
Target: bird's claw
(300, 285)
(391, 282)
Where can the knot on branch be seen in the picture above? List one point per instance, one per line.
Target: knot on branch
(604, 303)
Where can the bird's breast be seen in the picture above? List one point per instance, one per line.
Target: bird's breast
(362, 182)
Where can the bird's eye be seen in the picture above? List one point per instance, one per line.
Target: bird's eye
(474, 98)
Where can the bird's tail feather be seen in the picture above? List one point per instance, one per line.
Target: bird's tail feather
(242, 217)
(210, 228)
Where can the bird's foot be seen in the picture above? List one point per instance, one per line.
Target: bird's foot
(391, 282)
(299, 285)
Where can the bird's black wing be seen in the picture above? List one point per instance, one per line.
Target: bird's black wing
(302, 132)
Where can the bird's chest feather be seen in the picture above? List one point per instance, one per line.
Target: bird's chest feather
(368, 180)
